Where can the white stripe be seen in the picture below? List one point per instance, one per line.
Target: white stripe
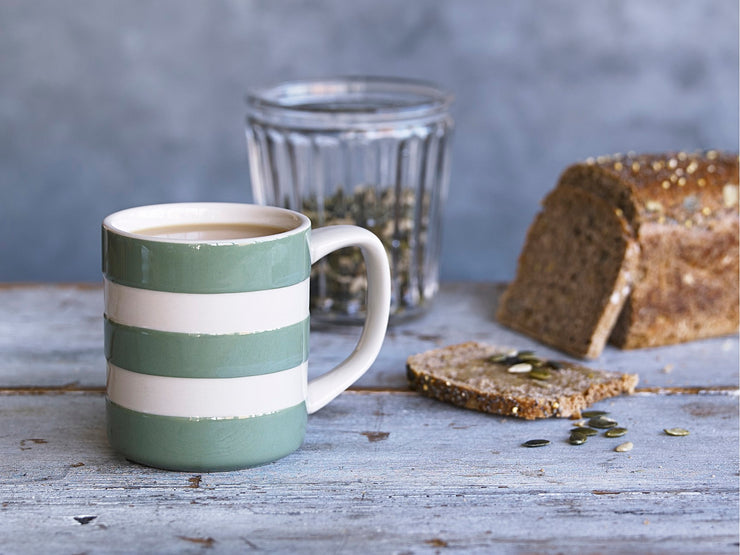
(213, 313)
(207, 397)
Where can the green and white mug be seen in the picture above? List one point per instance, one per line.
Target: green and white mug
(206, 331)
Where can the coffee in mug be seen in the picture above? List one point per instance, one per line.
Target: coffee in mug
(212, 231)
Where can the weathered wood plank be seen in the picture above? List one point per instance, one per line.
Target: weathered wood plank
(383, 473)
(51, 335)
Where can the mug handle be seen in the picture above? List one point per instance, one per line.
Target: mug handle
(324, 240)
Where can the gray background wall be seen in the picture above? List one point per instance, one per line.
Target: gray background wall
(105, 105)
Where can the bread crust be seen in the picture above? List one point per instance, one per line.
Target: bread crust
(667, 187)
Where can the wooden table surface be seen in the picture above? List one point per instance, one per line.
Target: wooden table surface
(382, 470)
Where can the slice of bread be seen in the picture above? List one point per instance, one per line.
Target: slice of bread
(575, 273)
(485, 378)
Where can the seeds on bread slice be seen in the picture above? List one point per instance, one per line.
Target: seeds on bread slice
(574, 273)
(476, 376)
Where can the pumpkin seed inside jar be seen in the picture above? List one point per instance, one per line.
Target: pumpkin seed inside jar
(400, 218)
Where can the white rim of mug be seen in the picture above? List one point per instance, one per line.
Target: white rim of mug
(301, 222)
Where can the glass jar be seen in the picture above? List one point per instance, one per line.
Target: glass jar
(367, 151)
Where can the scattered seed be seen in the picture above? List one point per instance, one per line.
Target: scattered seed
(602, 422)
(676, 431)
(624, 447)
(536, 443)
(615, 432)
(585, 431)
(520, 368)
(540, 374)
(593, 413)
(577, 439)
(524, 361)
(533, 360)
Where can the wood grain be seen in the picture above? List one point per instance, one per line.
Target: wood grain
(382, 469)
(384, 473)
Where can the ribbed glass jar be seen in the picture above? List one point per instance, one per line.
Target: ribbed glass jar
(367, 151)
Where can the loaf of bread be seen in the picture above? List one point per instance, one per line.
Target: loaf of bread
(677, 277)
(485, 378)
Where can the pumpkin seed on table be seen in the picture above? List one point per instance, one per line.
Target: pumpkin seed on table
(624, 447)
(602, 422)
(536, 443)
(577, 439)
(593, 413)
(615, 432)
(676, 431)
(584, 431)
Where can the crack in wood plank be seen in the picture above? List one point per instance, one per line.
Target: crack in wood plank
(205, 542)
(52, 389)
(689, 390)
(99, 390)
(81, 285)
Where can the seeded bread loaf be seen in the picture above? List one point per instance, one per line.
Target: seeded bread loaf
(481, 377)
(681, 210)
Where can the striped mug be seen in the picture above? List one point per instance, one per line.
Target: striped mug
(206, 331)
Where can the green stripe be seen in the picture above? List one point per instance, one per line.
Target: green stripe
(182, 355)
(204, 444)
(204, 268)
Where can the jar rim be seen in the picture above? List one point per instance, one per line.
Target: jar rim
(346, 100)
